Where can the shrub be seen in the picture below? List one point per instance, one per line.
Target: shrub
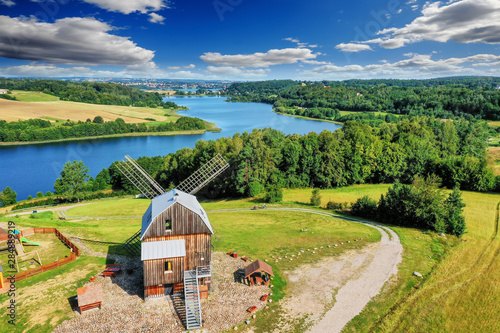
(336, 205)
(255, 188)
(364, 207)
(315, 197)
(274, 194)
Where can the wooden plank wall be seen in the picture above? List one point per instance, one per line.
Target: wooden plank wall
(154, 271)
(184, 221)
(198, 246)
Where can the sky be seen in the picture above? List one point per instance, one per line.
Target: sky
(249, 39)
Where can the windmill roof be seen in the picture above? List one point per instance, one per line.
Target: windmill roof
(160, 203)
(163, 249)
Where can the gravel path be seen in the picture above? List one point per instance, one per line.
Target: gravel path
(356, 293)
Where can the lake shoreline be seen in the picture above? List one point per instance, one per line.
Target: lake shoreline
(308, 118)
(111, 136)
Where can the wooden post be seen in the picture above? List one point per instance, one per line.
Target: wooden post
(17, 264)
(39, 260)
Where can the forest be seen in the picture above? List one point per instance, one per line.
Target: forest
(90, 92)
(44, 130)
(356, 154)
(477, 98)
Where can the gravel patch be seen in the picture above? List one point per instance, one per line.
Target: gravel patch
(124, 310)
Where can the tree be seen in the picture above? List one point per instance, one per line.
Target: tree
(98, 120)
(254, 188)
(274, 194)
(39, 194)
(73, 178)
(316, 197)
(8, 197)
(454, 213)
(365, 207)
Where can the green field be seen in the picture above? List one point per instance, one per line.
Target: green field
(31, 96)
(458, 292)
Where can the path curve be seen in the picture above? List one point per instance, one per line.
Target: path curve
(353, 296)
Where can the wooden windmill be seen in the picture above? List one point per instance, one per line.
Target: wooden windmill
(176, 236)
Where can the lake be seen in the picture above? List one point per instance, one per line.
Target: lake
(28, 169)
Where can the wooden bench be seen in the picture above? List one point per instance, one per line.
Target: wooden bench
(263, 298)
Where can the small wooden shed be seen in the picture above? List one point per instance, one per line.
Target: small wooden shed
(258, 272)
(89, 297)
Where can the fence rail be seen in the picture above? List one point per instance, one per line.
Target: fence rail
(47, 267)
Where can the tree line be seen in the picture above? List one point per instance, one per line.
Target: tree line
(44, 130)
(471, 98)
(356, 154)
(89, 92)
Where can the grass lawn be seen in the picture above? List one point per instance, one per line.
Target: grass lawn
(459, 290)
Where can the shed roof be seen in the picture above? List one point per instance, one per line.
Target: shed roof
(89, 294)
(163, 249)
(162, 202)
(258, 266)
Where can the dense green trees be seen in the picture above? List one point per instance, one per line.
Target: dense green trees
(355, 154)
(8, 197)
(89, 92)
(43, 130)
(73, 179)
(419, 205)
(443, 98)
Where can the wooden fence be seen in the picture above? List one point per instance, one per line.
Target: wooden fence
(74, 252)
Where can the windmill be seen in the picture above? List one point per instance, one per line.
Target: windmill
(175, 241)
(151, 189)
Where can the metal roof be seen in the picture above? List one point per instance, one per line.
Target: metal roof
(163, 249)
(164, 201)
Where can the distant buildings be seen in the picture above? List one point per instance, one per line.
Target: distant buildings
(3, 92)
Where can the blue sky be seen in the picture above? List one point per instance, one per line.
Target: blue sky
(249, 40)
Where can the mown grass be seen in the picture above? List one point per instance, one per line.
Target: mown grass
(31, 96)
(459, 290)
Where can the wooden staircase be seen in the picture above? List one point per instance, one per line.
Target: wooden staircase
(192, 300)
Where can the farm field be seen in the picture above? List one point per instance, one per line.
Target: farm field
(32, 105)
(457, 292)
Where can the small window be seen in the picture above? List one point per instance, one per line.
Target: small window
(168, 225)
(168, 266)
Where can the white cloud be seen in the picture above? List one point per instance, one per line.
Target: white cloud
(8, 3)
(464, 21)
(300, 44)
(314, 62)
(68, 41)
(259, 59)
(225, 71)
(352, 47)
(155, 18)
(174, 68)
(130, 6)
(417, 65)
(191, 66)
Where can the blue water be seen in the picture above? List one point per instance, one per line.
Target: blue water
(32, 168)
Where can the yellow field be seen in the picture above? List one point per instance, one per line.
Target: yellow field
(463, 293)
(63, 110)
(494, 159)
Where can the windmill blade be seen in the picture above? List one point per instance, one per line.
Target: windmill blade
(139, 177)
(203, 175)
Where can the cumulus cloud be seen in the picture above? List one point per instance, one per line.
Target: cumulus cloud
(191, 66)
(416, 65)
(69, 41)
(463, 21)
(259, 59)
(155, 18)
(352, 47)
(235, 71)
(8, 3)
(130, 6)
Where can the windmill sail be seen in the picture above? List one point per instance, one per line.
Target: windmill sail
(139, 177)
(203, 175)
